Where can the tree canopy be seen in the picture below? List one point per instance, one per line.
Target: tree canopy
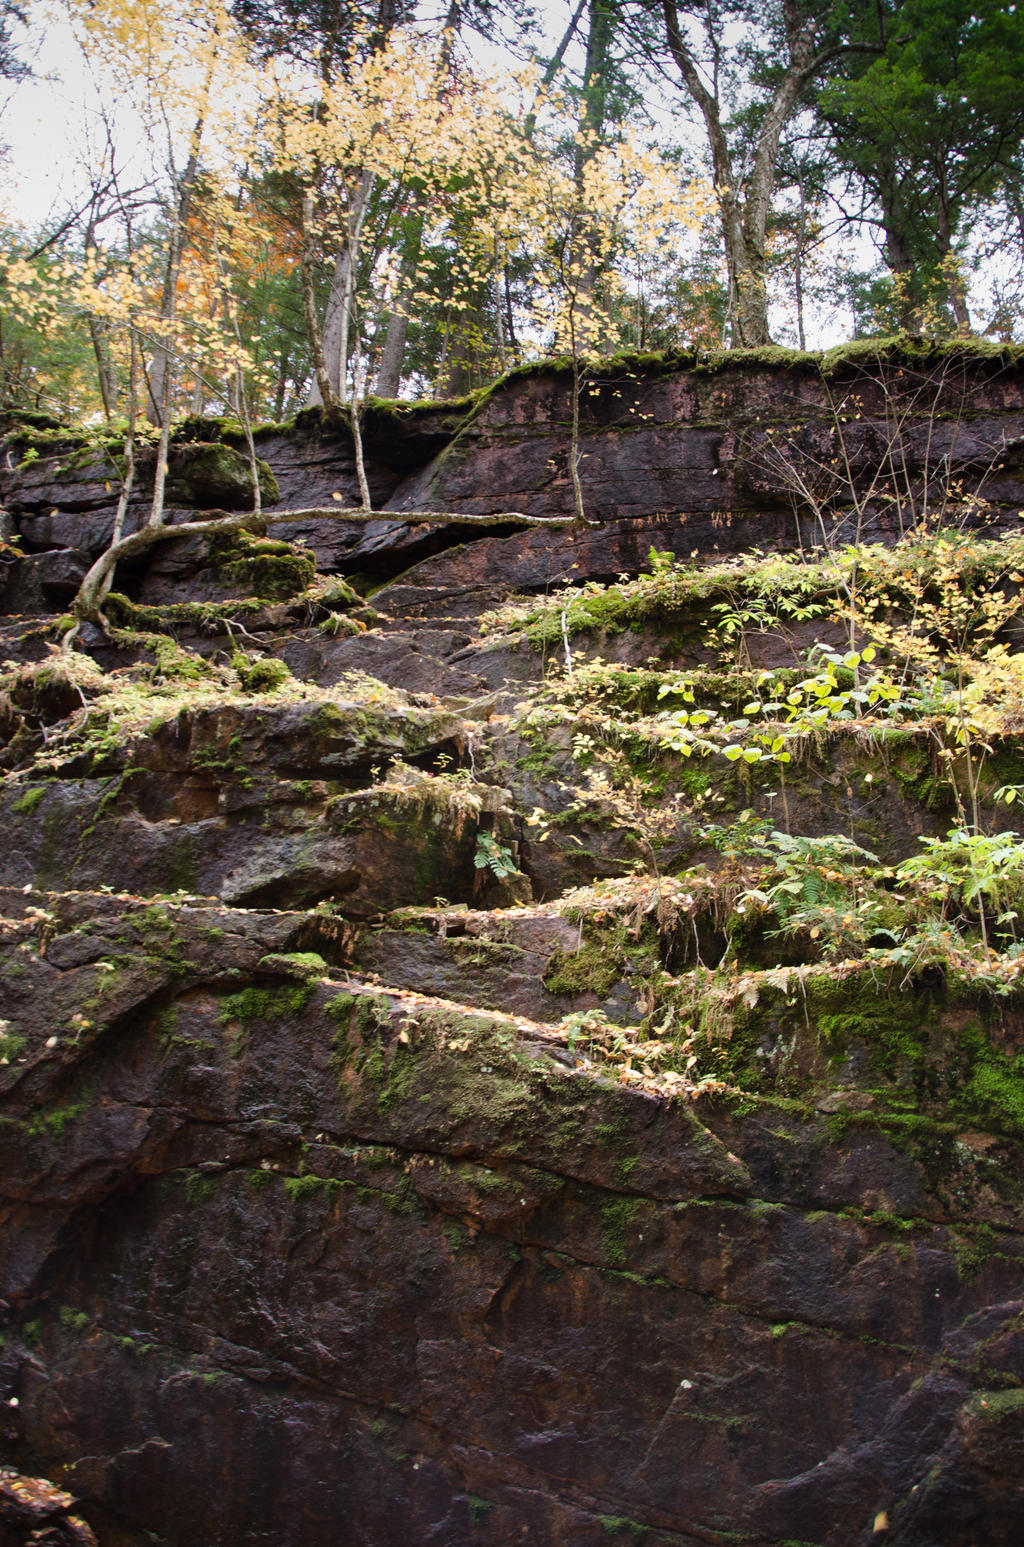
(339, 198)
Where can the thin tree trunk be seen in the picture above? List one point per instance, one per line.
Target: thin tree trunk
(499, 315)
(240, 400)
(157, 513)
(128, 480)
(443, 359)
(355, 418)
(100, 347)
(161, 371)
(281, 387)
(509, 319)
(339, 309)
(322, 380)
(798, 264)
(574, 442)
(104, 369)
(355, 415)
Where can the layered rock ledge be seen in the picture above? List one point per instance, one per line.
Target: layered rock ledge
(474, 1064)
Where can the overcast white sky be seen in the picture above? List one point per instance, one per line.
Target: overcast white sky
(41, 120)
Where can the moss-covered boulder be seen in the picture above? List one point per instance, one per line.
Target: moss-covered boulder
(212, 475)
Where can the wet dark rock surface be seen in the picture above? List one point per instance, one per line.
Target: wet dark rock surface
(275, 1255)
(327, 1216)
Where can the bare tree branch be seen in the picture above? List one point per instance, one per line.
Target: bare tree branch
(88, 602)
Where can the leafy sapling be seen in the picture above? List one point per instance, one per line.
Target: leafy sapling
(494, 856)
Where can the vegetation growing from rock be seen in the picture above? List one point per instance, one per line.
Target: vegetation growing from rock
(635, 961)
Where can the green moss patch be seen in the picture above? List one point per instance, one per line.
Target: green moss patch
(593, 969)
(261, 567)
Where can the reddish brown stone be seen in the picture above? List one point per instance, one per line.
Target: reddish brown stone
(315, 1227)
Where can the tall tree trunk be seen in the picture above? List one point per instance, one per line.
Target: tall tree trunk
(281, 387)
(510, 325)
(128, 477)
(745, 258)
(899, 256)
(798, 260)
(161, 371)
(497, 274)
(745, 199)
(585, 256)
(389, 376)
(335, 323)
(338, 312)
(325, 392)
(744, 252)
(98, 336)
(956, 290)
(104, 369)
(442, 361)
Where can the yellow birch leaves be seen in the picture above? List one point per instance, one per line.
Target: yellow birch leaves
(410, 132)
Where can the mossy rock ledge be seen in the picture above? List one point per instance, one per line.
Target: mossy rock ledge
(459, 1082)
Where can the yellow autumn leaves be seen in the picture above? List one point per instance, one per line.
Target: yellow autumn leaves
(495, 172)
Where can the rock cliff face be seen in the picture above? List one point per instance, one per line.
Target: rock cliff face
(436, 1110)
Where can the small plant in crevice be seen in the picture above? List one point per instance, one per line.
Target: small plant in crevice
(454, 798)
(824, 889)
(494, 856)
